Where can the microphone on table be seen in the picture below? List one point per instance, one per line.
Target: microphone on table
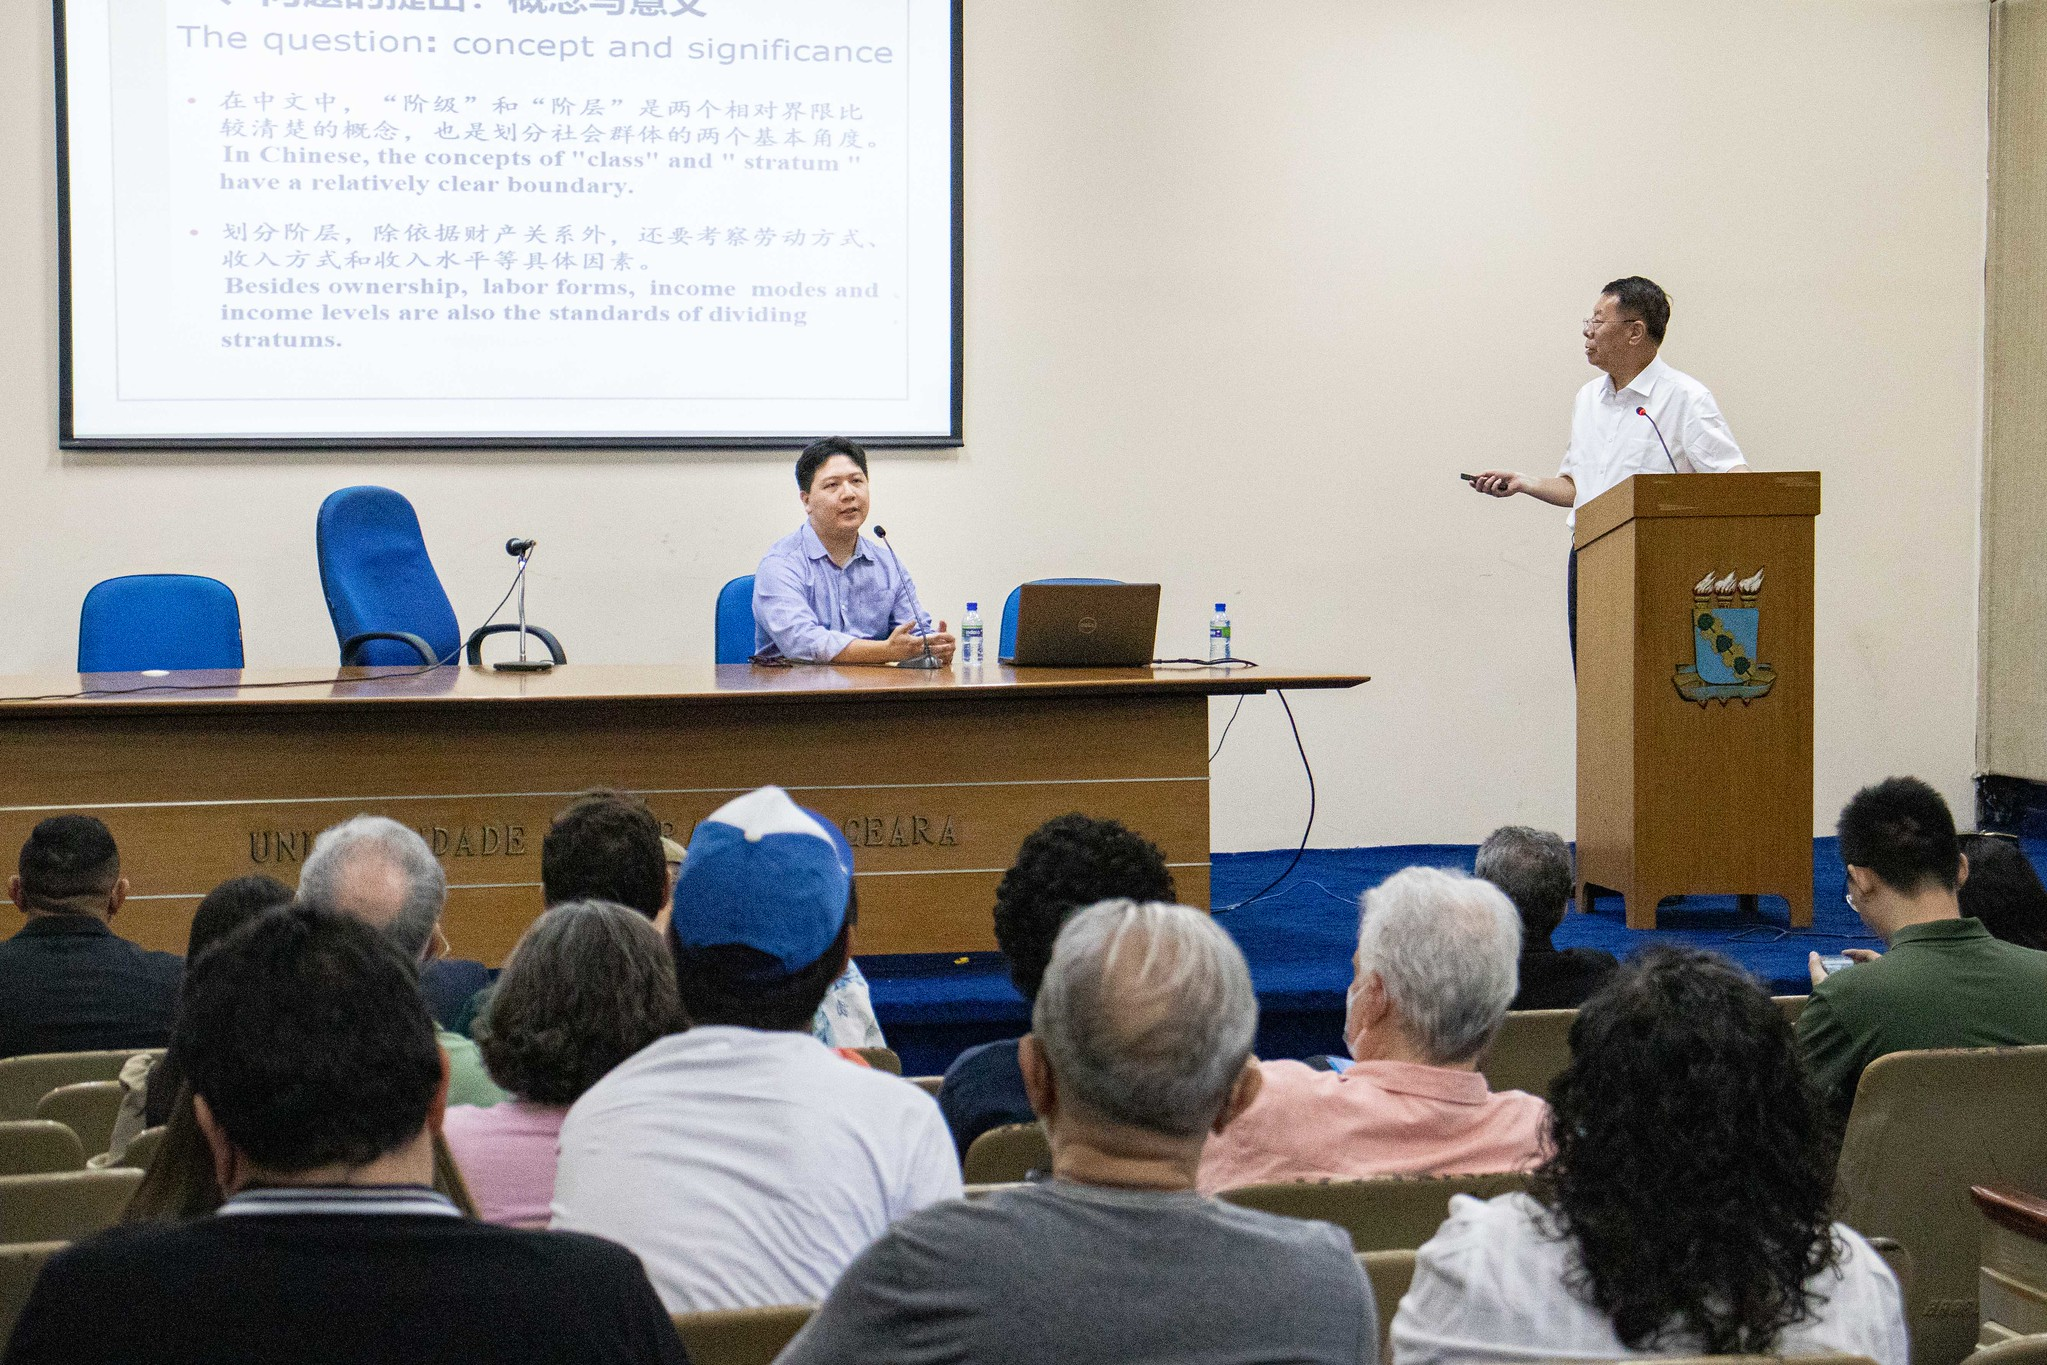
(927, 659)
(1644, 414)
(522, 550)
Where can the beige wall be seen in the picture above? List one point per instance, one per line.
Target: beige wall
(1248, 285)
(2012, 736)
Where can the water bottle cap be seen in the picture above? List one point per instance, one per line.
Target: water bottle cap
(973, 606)
(1220, 607)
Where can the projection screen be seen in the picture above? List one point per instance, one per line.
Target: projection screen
(509, 222)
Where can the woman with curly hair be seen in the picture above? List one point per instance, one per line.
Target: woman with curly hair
(589, 984)
(1681, 1207)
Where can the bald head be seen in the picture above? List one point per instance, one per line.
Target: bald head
(382, 873)
(1146, 1016)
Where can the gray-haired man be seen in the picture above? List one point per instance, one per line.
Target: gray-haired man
(1533, 867)
(378, 871)
(1141, 1047)
(1435, 971)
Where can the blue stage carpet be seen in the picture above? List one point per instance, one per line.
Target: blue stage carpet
(1299, 940)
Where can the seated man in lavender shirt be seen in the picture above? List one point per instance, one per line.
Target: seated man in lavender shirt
(1435, 971)
(588, 985)
(825, 594)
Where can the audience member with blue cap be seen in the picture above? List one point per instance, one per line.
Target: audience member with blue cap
(742, 1161)
(818, 898)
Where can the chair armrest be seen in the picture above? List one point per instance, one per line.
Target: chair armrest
(546, 637)
(355, 642)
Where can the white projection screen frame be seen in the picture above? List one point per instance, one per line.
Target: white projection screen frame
(404, 223)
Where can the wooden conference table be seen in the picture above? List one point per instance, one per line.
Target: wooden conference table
(935, 777)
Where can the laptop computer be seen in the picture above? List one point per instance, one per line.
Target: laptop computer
(1086, 625)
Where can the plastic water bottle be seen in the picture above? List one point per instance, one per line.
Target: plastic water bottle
(970, 636)
(1219, 635)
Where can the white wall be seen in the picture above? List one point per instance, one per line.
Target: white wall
(1248, 284)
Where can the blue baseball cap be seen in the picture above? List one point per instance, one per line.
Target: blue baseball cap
(767, 874)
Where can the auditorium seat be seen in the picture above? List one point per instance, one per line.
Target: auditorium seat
(2027, 1350)
(1531, 1047)
(881, 1059)
(732, 622)
(63, 1206)
(2012, 1266)
(25, 1080)
(141, 1149)
(39, 1146)
(159, 620)
(740, 1336)
(1792, 1005)
(1006, 640)
(1395, 1213)
(928, 1084)
(1011, 1152)
(1925, 1127)
(88, 1108)
(1390, 1272)
(383, 594)
(19, 1266)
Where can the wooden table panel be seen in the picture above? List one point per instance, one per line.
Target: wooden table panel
(935, 781)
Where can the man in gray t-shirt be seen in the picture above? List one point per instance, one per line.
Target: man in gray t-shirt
(1140, 1048)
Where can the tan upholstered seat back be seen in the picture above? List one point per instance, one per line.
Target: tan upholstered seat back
(64, 1206)
(1009, 1153)
(740, 1336)
(37, 1146)
(881, 1059)
(88, 1108)
(25, 1080)
(141, 1149)
(1925, 1127)
(1390, 1272)
(1393, 1214)
(1531, 1047)
(19, 1266)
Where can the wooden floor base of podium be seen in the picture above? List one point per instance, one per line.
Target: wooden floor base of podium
(1640, 906)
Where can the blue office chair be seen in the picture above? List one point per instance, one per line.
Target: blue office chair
(732, 632)
(387, 603)
(1007, 640)
(159, 620)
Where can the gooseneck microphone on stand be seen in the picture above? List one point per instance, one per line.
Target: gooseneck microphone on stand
(522, 550)
(927, 659)
(1644, 414)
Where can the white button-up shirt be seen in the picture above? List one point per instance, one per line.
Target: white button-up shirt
(1610, 442)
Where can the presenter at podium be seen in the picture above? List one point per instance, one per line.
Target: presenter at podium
(1640, 417)
(825, 593)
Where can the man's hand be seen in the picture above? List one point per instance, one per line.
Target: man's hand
(1817, 969)
(1558, 491)
(905, 643)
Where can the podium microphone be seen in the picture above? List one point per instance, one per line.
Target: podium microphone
(927, 659)
(1644, 414)
(519, 549)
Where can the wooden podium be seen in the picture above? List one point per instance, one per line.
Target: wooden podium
(1695, 689)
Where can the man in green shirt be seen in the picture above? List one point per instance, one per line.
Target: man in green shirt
(1945, 981)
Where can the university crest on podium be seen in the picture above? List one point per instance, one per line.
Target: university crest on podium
(1724, 666)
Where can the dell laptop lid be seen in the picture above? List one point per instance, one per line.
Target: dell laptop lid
(1086, 625)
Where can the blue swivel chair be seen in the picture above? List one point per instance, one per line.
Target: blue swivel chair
(387, 603)
(1007, 641)
(159, 620)
(733, 632)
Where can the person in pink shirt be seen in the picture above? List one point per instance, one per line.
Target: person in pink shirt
(589, 984)
(1435, 972)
